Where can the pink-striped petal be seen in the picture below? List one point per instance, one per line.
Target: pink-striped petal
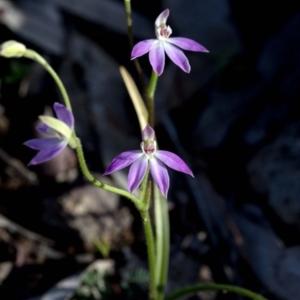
(47, 154)
(40, 144)
(141, 48)
(123, 160)
(148, 133)
(160, 175)
(187, 44)
(137, 172)
(64, 114)
(177, 56)
(173, 161)
(157, 57)
(162, 18)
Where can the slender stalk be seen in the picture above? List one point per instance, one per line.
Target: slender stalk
(147, 198)
(38, 58)
(151, 252)
(161, 212)
(131, 43)
(142, 206)
(83, 166)
(192, 289)
(100, 184)
(129, 22)
(162, 241)
(144, 190)
(150, 98)
(144, 211)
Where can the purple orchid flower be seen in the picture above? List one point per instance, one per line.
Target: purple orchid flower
(60, 132)
(156, 159)
(163, 43)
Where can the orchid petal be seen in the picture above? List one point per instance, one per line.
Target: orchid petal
(177, 56)
(160, 175)
(162, 18)
(41, 144)
(157, 57)
(173, 161)
(142, 48)
(60, 129)
(137, 172)
(123, 160)
(58, 125)
(187, 44)
(148, 133)
(64, 114)
(47, 154)
(43, 128)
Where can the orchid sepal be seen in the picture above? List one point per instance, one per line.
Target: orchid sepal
(165, 44)
(150, 157)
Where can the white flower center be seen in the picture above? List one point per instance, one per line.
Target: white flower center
(148, 147)
(163, 32)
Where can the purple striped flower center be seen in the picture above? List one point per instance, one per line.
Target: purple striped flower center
(164, 31)
(148, 147)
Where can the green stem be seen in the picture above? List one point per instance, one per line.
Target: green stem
(161, 211)
(129, 22)
(100, 184)
(83, 166)
(38, 58)
(151, 252)
(131, 43)
(144, 190)
(192, 289)
(150, 97)
(142, 206)
(144, 211)
(162, 242)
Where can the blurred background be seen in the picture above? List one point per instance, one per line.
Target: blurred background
(234, 119)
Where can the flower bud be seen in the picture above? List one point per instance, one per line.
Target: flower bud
(12, 49)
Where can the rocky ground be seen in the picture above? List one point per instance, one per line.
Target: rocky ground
(234, 119)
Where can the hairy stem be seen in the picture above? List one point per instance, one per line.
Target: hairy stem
(151, 252)
(100, 184)
(39, 59)
(144, 194)
(83, 166)
(145, 201)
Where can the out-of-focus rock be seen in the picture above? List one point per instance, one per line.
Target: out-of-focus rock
(219, 116)
(93, 213)
(278, 65)
(275, 172)
(109, 13)
(275, 266)
(67, 287)
(99, 98)
(207, 22)
(184, 270)
(281, 55)
(38, 22)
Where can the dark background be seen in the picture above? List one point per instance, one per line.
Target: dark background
(234, 119)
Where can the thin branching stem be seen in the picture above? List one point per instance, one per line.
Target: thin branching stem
(79, 150)
(192, 289)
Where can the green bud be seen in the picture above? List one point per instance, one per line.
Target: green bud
(12, 49)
